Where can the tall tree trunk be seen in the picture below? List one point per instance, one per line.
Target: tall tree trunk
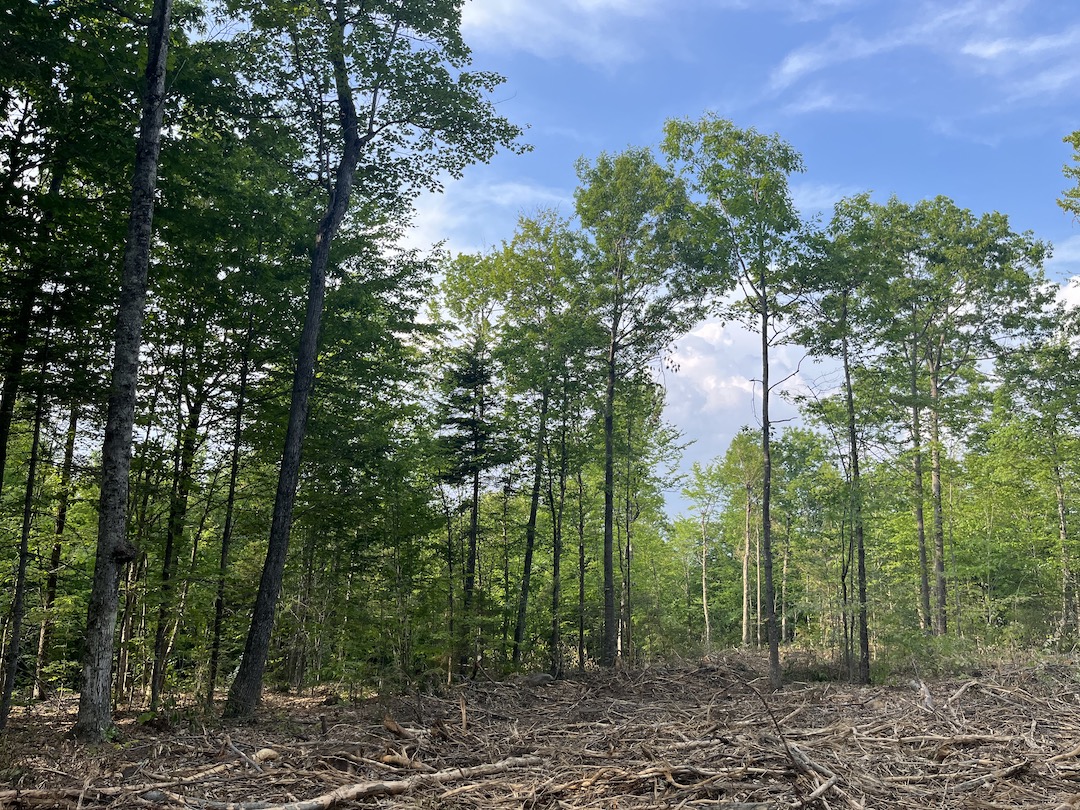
(610, 639)
(746, 568)
(940, 592)
(557, 506)
(1068, 588)
(230, 505)
(775, 674)
(783, 582)
(63, 499)
(704, 579)
(530, 528)
(917, 489)
(506, 644)
(470, 623)
(187, 443)
(757, 592)
(581, 569)
(451, 624)
(844, 617)
(856, 505)
(630, 517)
(18, 603)
(19, 336)
(113, 547)
(247, 687)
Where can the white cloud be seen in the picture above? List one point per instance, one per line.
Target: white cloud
(820, 198)
(842, 45)
(471, 216)
(1031, 67)
(977, 36)
(715, 391)
(1070, 293)
(819, 99)
(1013, 49)
(583, 30)
(718, 376)
(1051, 82)
(1065, 260)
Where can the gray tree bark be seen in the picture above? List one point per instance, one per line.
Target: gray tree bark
(114, 549)
(247, 687)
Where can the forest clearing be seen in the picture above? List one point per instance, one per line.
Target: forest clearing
(704, 734)
(266, 432)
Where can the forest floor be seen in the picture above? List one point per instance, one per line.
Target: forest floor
(704, 734)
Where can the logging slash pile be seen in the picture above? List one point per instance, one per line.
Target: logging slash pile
(690, 736)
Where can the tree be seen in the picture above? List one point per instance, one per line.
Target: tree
(835, 324)
(649, 283)
(403, 117)
(544, 348)
(113, 546)
(740, 479)
(474, 443)
(743, 175)
(966, 288)
(706, 496)
(1040, 381)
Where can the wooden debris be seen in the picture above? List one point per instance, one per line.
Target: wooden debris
(664, 737)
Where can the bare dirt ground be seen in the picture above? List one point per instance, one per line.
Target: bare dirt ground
(697, 735)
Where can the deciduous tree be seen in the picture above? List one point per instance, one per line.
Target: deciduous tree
(743, 176)
(649, 281)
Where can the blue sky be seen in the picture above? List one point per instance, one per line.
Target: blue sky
(964, 98)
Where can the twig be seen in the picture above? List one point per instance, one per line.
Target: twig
(986, 778)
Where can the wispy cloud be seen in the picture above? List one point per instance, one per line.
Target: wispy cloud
(976, 38)
(1065, 261)
(1009, 50)
(818, 99)
(583, 30)
(844, 44)
(819, 198)
(472, 216)
(1037, 66)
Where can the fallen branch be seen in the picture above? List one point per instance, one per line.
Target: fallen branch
(362, 790)
(986, 778)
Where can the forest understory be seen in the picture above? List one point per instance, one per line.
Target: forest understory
(696, 734)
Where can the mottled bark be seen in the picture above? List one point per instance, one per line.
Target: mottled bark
(581, 569)
(747, 514)
(704, 578)
(557, 505)
(114, 549)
